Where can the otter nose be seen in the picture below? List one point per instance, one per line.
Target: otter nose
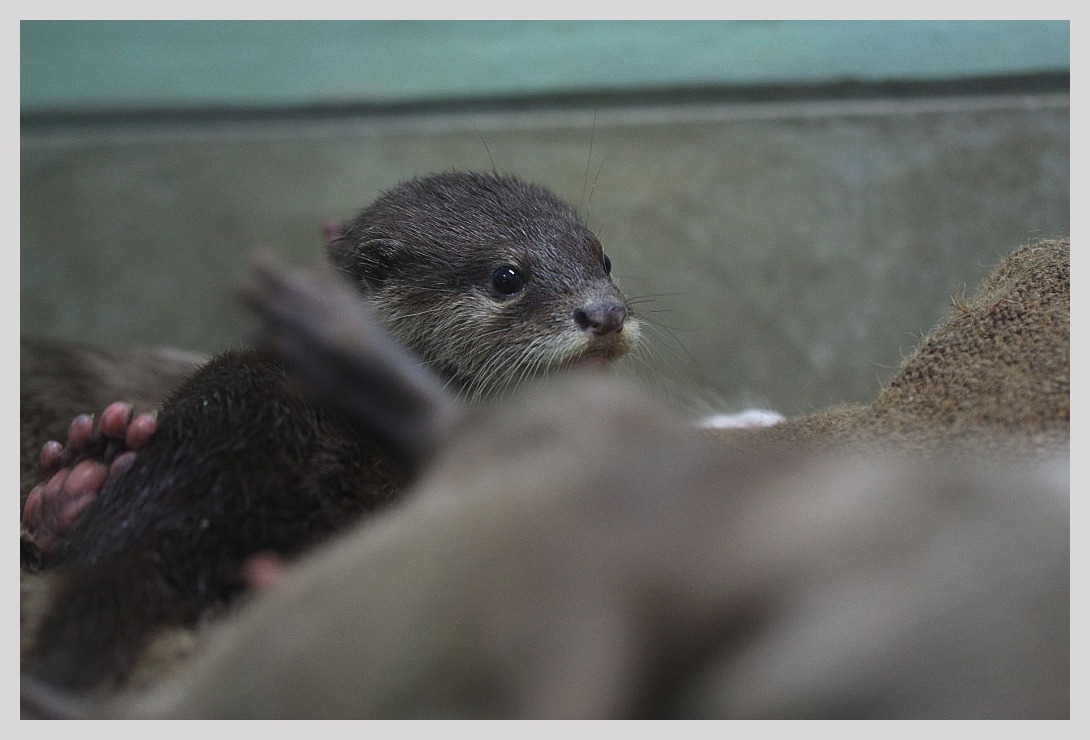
(601, 318)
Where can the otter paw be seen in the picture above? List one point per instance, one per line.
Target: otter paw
(263, 570)
(73, 474)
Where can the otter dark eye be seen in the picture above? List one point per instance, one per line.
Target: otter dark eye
(607, 263)
(507, 280)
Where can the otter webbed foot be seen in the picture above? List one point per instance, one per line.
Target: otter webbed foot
(73, 474)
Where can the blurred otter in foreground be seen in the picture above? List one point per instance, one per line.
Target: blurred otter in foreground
(595, 556)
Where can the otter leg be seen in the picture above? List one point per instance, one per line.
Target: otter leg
(334, 346)
(73, 474)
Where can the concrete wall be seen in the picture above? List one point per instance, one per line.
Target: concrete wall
(791, 253)
(785, 251)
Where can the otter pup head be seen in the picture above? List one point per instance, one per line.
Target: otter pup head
(490, 279)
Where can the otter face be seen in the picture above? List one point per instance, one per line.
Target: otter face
(491, 280)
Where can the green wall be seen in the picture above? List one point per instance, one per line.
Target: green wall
(105, 65)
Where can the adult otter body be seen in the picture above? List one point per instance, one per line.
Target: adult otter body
(489, 279)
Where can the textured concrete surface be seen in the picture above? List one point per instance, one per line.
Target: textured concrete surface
(787, 254)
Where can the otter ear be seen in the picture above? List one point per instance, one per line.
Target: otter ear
(336, 245)
(369, 262)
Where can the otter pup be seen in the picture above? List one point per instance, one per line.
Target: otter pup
(489, 279)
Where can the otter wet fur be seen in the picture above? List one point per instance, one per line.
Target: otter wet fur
(490, 280)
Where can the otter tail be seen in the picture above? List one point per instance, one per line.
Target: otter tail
(101, 620)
